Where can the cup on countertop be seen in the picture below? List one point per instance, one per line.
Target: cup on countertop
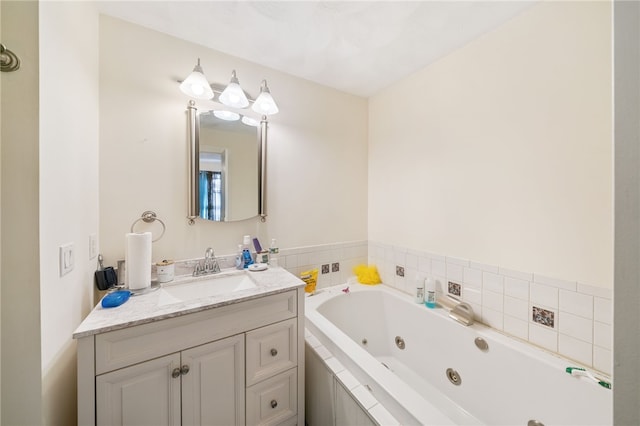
(165, 270)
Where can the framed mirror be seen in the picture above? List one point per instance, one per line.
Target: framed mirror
(226, 165)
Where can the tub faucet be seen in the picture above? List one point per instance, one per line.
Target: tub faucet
(210, 265)
(463, 313)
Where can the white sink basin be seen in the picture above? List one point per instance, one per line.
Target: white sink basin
(214, 286)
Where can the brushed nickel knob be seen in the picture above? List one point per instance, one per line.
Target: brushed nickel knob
(175, 373)
(274, 403)
(274, 352)
(184, 370)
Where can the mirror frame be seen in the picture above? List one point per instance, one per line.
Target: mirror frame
(193, 187)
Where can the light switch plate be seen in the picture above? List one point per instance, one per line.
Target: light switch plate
(67, 258)
(93, 246)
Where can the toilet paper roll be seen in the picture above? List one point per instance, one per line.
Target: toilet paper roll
(138, 260)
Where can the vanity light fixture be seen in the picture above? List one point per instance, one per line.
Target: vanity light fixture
(233, 95)
(265, 103)
(196, 85)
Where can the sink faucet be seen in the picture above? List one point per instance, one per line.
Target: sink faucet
(463, 313)
(210, 265)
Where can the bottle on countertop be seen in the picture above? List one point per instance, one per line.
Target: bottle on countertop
(239, 262)
(273, 253)
(247, 259)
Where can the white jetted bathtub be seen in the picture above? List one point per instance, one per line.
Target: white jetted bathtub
(442, 376)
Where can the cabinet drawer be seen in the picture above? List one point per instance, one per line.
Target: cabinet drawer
(274, 400)
(271, 350)
(120, 348)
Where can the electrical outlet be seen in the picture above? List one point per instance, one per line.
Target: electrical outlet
(67, 258)
(93, 246)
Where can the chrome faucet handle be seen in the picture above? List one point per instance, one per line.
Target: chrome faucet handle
(209, 254)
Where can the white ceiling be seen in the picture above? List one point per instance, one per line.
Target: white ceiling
(358, 47)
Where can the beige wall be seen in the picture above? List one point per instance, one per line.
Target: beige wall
(501, 152)
(317, 149)
(20, 297)
(68, 191)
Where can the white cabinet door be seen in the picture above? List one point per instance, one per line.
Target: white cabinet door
(142, 394)
(213, 389)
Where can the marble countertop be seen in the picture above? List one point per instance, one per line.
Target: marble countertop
(146, 308)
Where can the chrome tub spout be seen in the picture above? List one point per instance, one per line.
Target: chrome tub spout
(463, 313)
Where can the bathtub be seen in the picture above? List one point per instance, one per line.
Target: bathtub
(509, 383)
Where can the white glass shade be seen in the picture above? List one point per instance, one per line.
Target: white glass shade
(233, 95)
(250, 121)
(265, 103)
(196, 85)
(227, 115)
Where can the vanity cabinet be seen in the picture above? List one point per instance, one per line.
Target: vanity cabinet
(237, 364)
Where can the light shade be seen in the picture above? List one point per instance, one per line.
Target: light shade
(265, 103)
(196, 85)
(250, 121)
(226, 115)
(233, 95)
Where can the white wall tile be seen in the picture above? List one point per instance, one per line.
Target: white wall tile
(472, 277)
(525, 276)
(575, 349)
(492, 300)
(424, 264)
(576, 303)
(543, 336)
(515, 287)
(484, 267)
(603, 310)
(553, 282)
(455, 273)
(605, 293)
(516, 308)
(472, 295)
(576, 327)
(411, 261)
(456, 261)
(544, 295)
(438, 268)
(493, 282)
(516, 327)
(492, 318)
(603, 335)
(603, 360)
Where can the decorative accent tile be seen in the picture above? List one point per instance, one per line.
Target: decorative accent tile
(325, 268)
(543, 316)
(335, 267)
(399, 271)
(454, 289)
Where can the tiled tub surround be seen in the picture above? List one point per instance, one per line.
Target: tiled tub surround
(571, 318)
(402, 354)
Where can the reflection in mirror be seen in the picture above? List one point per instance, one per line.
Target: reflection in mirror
(226, 168)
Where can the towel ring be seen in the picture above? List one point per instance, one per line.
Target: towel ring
(150, 217)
